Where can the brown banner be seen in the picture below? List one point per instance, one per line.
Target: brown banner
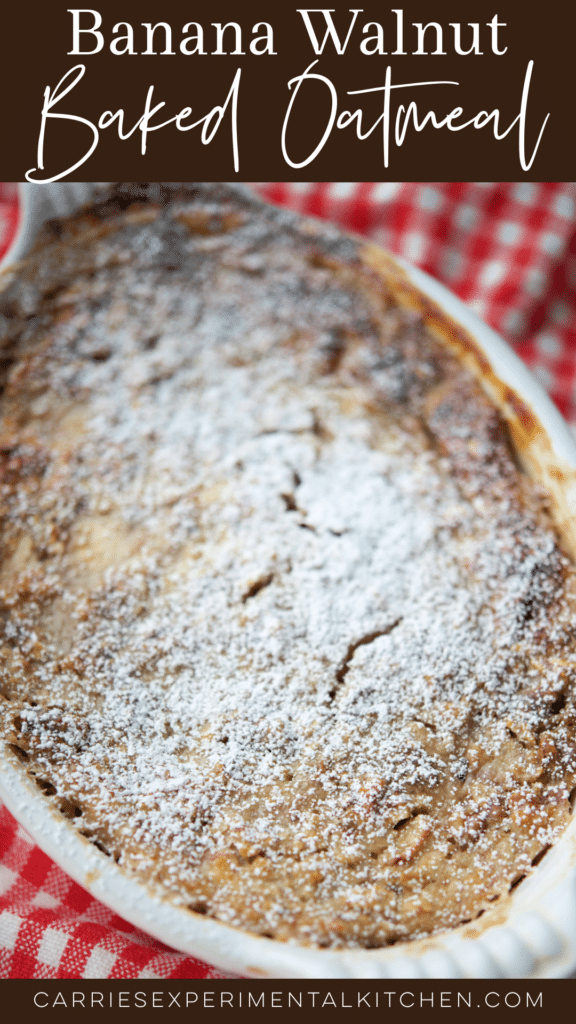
(258, 91)
(392, 999)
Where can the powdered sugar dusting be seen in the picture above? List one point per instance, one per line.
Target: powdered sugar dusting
(289, 657)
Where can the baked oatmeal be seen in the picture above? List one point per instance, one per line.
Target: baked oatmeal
(287, 631)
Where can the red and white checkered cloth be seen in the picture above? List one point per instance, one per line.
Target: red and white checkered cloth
(507, 249)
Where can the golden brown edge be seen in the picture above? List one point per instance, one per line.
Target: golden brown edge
(529, 437)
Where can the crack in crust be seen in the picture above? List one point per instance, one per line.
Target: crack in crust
(368, 639)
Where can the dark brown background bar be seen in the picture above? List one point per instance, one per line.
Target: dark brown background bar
(382, 1000)
(36, 40)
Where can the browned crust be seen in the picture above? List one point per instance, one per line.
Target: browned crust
(531, 442)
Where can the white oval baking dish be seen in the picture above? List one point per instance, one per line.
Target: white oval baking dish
(532, 936)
